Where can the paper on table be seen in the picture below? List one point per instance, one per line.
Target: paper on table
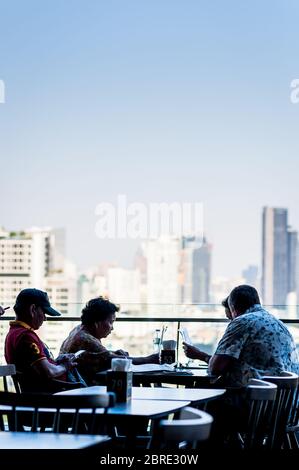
(185, 335)
(152, 367)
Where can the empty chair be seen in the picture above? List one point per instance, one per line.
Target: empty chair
(292, 430)
(55, 413)
(8, 376)
(259, 400)
(287, 384)
(193, 426)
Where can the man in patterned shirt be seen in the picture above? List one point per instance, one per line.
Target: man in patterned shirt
(254, 344)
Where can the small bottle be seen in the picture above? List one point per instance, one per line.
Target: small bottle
(157, 341)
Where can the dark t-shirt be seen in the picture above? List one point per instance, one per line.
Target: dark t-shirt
(24, 349)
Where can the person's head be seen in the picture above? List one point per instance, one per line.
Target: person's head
(32, 306)
(98, 317)
(224, 303)
(241, 299)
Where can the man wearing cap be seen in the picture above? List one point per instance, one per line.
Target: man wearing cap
(25, 349)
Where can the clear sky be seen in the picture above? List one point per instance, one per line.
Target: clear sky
(161, 100)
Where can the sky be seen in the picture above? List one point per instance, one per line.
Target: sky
(160, 100)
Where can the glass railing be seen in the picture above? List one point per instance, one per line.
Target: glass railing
(134, 330)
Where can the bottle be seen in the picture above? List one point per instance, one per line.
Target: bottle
(157, 341)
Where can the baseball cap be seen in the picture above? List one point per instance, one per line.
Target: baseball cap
(38, 297)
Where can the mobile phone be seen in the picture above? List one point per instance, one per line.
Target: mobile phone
(78, 353)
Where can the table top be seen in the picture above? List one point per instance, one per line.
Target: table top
(49, 441)
(193, 395)
(187, 377)
(150, 409)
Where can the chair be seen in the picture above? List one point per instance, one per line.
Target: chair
(193, 426)
(6, 372)
(61, 413)
(46, 385)
(259, 402)
(292, 429)
(287, 385)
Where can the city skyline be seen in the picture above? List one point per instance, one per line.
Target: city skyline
(155, 100)
(168, 269)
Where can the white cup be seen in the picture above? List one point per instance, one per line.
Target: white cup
(121, 364)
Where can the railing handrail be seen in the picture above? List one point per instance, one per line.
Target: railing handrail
(153, 319)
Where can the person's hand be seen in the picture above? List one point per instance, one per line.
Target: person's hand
(193, 352)
(68, 360)
(120, 352)
(153, 359)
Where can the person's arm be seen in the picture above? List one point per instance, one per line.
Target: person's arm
(219, 364)
(31, 351)
(52, 371)
(192, 352)
(151, 359)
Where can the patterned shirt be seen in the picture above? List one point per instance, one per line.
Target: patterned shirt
(261, 344)
(98, 357)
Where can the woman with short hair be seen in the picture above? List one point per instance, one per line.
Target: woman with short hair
(97, 321)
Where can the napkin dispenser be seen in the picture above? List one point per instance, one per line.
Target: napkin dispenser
(120, 378)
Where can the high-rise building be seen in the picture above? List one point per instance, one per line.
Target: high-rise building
(196, 270)
(27, 258)
(35, 258)
(279, 252)
(163, 262)
(292, 260)
(250, 275)
(124, 288)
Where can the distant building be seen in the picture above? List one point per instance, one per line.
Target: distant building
(163, 261)
(196, 270)
(250, 275)
(124, 287)
(35, 258)
(27, 258)
(279, 252)
(292, 260)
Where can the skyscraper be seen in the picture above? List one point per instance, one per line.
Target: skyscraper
(35, 258)
(279, 247)
(163, 261)
(27, 258)
(250, 275)
(196, 270)
(292, 260)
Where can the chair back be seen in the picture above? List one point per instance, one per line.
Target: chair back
(71, 413)
(260, 397)
(292, 440)
(287, 386)
(8, 374)
(45, 385)
(193, 426)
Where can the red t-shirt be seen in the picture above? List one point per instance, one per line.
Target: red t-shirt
(24, 348)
